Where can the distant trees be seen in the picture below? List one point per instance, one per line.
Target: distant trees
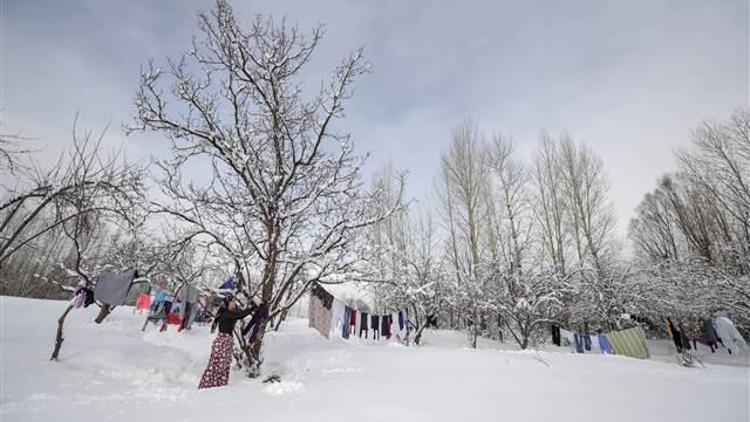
(699, 218)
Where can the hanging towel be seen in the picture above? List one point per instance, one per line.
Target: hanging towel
(318, 316)
(400, 320)
(112, 288)
(630, 342)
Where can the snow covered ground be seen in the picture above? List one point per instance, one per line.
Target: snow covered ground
(114, 372)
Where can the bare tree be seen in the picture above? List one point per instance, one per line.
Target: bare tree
(282, 190)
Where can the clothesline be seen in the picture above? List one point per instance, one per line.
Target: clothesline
(629, 342)
(328, 314)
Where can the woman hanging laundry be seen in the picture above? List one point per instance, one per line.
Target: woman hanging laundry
(217, 371)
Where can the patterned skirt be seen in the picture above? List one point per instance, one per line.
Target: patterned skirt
(217, 371)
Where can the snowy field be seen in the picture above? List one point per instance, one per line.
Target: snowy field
(114, 372)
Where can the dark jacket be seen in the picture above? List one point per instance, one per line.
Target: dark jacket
(227, 319)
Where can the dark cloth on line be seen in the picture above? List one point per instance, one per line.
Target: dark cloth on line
(253, 327)
(709, 332)
(346, 322)
(363, 324)
(555, 334)
(112, 288)
(89, 299)
(586, 341)
(385, 326)
(400, 320)
(375, 319)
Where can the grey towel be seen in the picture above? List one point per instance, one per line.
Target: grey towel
(112, 288)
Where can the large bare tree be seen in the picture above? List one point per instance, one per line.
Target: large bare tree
(277, 191)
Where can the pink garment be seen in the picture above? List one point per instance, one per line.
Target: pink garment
(79, 296)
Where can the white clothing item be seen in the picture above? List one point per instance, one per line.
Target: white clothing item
(337, 316)
(571, 338)
(357, 324)
(729, 335)
(595, 342)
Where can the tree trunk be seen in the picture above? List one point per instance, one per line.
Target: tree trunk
(104, 311)
(59, 338)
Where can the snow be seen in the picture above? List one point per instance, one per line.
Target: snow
(114, 372)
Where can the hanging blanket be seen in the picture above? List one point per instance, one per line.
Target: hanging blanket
(112, 288)
(630, 342)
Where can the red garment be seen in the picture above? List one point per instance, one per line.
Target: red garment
(174, 318)
(217, 371)
(353, 318)
(143, 301)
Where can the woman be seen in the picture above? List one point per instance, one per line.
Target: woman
(217, 371)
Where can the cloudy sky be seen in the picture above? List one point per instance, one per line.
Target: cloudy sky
(628, 78)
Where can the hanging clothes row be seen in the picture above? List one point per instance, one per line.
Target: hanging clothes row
(329, 315)
(630, 342)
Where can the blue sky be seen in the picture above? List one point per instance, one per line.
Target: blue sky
(630, 79)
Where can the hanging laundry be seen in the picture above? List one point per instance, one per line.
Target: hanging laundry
(400, 320)
(604, 344)
(142, 302)
(319, 316)
(586, 341)
(363, 324)
(79, 296)
(630, 342)
(346, 325)
(252, 329)
(112, 288)
(728, 335)
(375, 326)
(568, 335)
(353, 322)
(228, 284)
(385, 326)
(337, 316)
(578, 339)
(89, 297)
(555, 334)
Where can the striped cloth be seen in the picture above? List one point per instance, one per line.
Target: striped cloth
(630, 342)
